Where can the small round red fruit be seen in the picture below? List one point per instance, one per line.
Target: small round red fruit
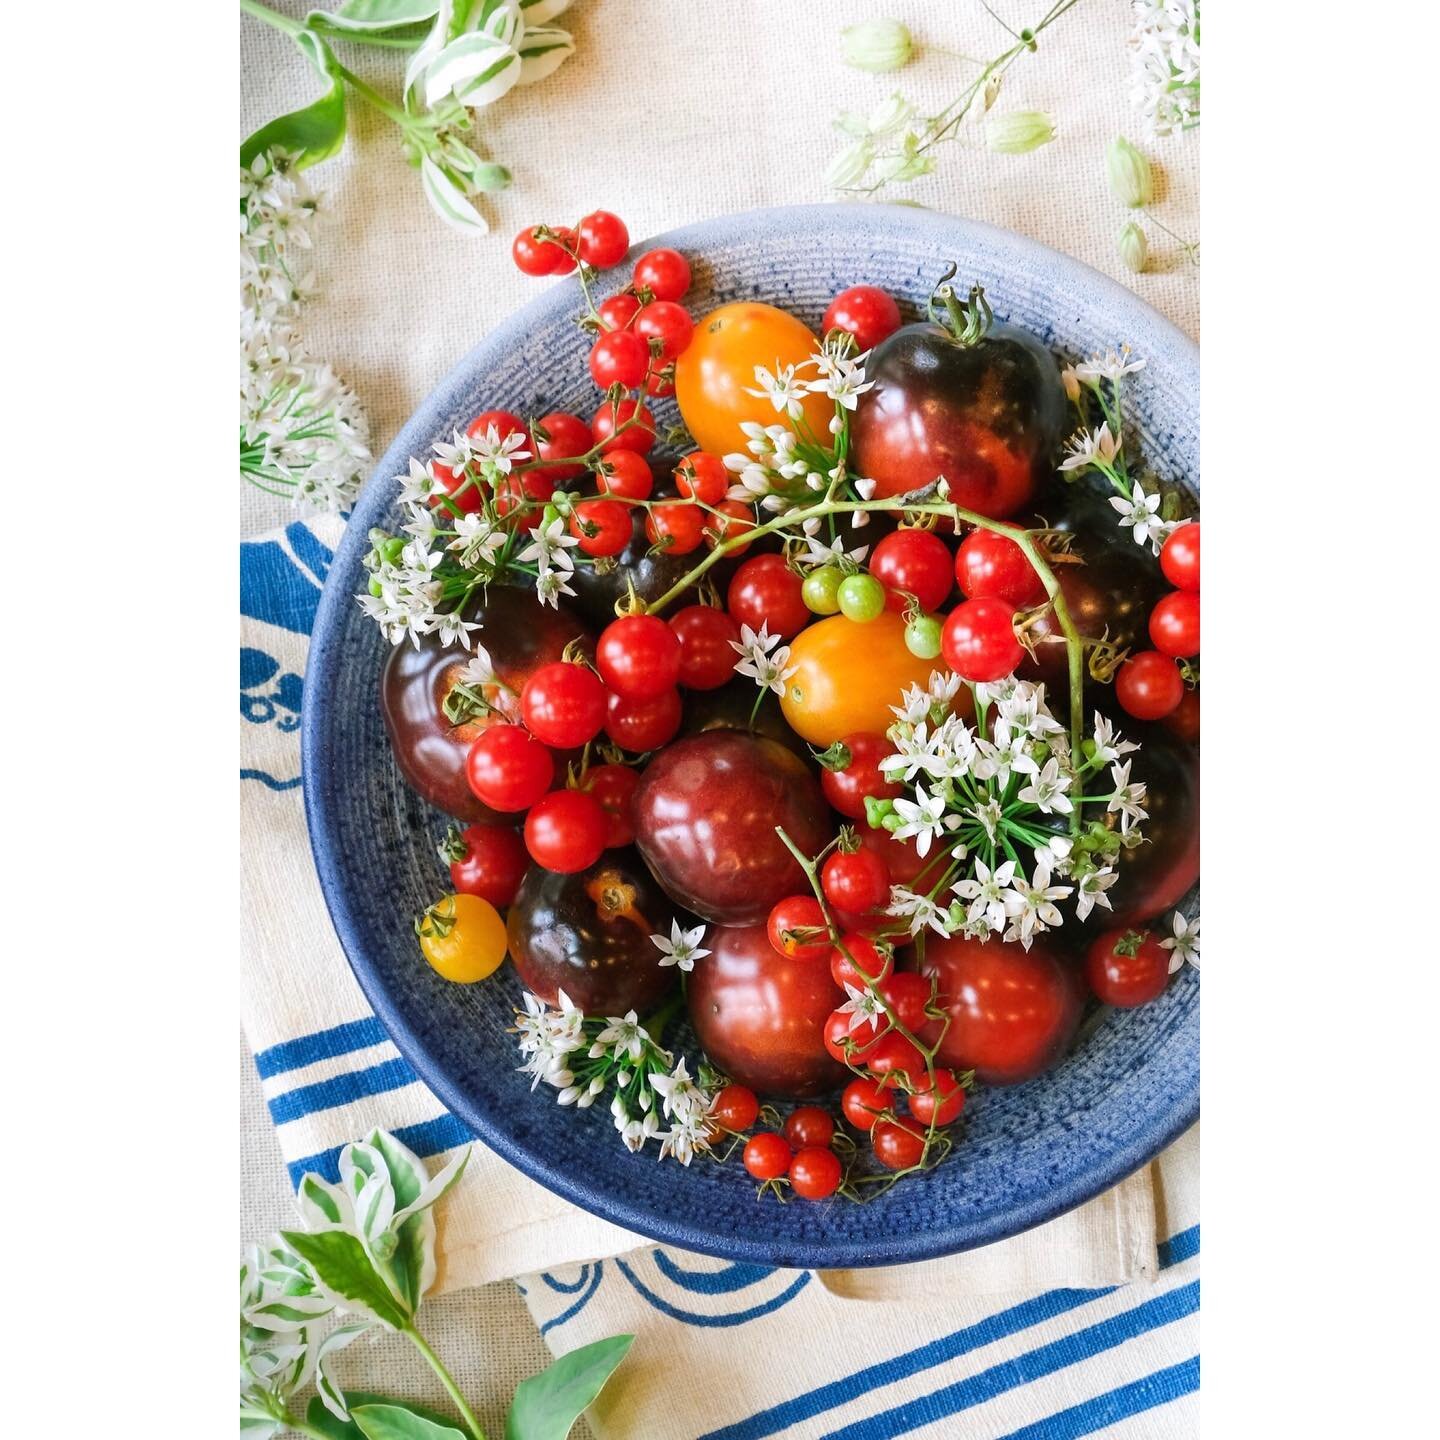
(641, 725)
(914, 562)
(665, 327)
(864, 1101)
(566, 436)
(859, 953)
(619, 357)
(602, 239)
(897, 1144)
(664, 273)
(563, 705)
(847, 787)
(565, 831)
(675, 526)
(991, 566)
(1148, 686)
(815, 1173)
(979, 642)
(809, 1127)
(734, 519)
(614, 787)
(798, 930)
(705, 633)
(1180, 558)
(534, 256)
(638, 657)
(618, 311)
(736, 1108)
(857, 882)
(766, 591)
(626, 475)
(1175, 624)
(937, 1102)
(602, 526)
(702, 476)
(766, 1156)
(623, 425)
(1127, 968)
(492, 865)
(867, 312)
(508, 769)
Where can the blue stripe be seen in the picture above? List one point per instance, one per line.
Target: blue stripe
(269, 781)
(1184, 1246)
(711, 1282)
(563, 1287)
(428, 1138)
(691, 1317)
(341, 1090)
(1116, 1405)
(322, 1045)
(1026, 1369)
(579, 1305)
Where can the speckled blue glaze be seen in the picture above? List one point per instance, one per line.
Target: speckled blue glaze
(1029, 1152)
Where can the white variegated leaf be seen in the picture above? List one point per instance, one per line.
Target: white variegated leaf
(541, 12)
(452, 207)
(284, 1313)
(434, 43)
(501, 18)
(543, 51)
(477, 69)
(406, 1169)
(435, 1188)
(374, 1206)
(251, 1429)
(322, 1206)
(364, 17)
(358, 1162)
(325, 1382)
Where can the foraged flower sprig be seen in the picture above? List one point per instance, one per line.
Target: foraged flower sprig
(302, 432)
(1165, 64)
(581, 1057)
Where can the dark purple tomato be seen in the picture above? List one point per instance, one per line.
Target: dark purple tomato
(521, 635)
(588, 934)
(988, 415)
(705, 819)
(760, 1016)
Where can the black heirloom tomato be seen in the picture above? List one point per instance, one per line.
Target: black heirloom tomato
(588, 934)
(706, 813)
(965, 397)
(760, 1016)
(520, 635)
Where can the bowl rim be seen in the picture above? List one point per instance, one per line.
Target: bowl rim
(321, 694)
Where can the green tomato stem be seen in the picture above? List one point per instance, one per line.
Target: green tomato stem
(472, 1423)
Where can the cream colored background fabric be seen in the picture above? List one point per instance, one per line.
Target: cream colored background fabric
(668, 113)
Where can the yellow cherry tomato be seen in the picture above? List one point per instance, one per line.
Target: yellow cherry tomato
(717, 368)
(463, 937)
(848, 675)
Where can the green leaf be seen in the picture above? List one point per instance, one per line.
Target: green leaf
(342, 1266)
(547, 1405)
(397, 1422)
(456, 211)
(413, 1263)
(318, 131)
(543, 51)
(319, 1418)
(375, 16)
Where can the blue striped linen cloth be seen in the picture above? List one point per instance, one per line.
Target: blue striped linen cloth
(984, 1349)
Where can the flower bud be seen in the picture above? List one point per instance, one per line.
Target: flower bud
(1018, 132)
(849, 166)
(1129, 173)
(890, 114)
(1134, 247)
(876, 45)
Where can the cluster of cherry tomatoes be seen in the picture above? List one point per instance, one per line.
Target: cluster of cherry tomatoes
(1149, 685)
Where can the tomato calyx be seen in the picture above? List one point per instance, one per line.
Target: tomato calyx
(453, 847)
(436, 920)
(967, 322)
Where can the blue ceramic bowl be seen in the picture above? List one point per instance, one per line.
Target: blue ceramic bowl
(1029, 1152)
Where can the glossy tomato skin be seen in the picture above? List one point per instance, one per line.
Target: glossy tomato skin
(566, 436)
(979, 640)
(760, 1016)
(706, 634)
(1123, 979)
(766, 591)
(473, 944)
(990, 565)
(614, 787)
(521, 636)
(563, 705)
(566, 831)
(847, 787)
(641, 725)
(588, 934)
(867, 312)
(493, 865)
(1012, 1012)
(1175, 624)
(913, 562)
(989, 417)
(729, 707)
(1148, 686)
(717, 368)
(705, 819)
(848, 675)
(1180, 558)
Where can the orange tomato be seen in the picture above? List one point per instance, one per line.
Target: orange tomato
(848, 675)
(716, 369)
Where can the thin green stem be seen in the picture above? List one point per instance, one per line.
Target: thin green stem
(472, 1423)
(271, 17)
(285, 1418)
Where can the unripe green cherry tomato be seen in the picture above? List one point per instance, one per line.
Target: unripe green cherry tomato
(922, 637)
(820, 589)
(861, 598)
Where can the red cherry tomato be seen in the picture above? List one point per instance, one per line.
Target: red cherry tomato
(940, 1102)
(676, 526)
(602, 239)
(1175, 624)
(603, 527)
(626, 474)
(907, 994)
(809, 1127)
(798, 930)
(508, 769)
(702, 476)
(564, 244)
(494, 864)
(736, 1108)
(705, 633)
(613, 428)
(1184, 720)
(1148, 686)
(533, 256)
(857, 882)
(914, 562)
(664, 273)
(847, 787)
(565, 831)
(619, 357)
(563, 705)
(1180, 557)
(905, 863)
(766, 591)
(864, 1101)
(838, 1036)
(641, 725)
(618, 311)
(815, 1173)
(867, 312)
(979, 642)
(614, 787)
(638, 657)
(766, 1155)
(1127, 968)
(505, 423)
(659, 381)
(669, 324)
(894, 1054)
(862, 955)
(897, 1144)
(566, 436)
(734, 519)
(989, 566)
